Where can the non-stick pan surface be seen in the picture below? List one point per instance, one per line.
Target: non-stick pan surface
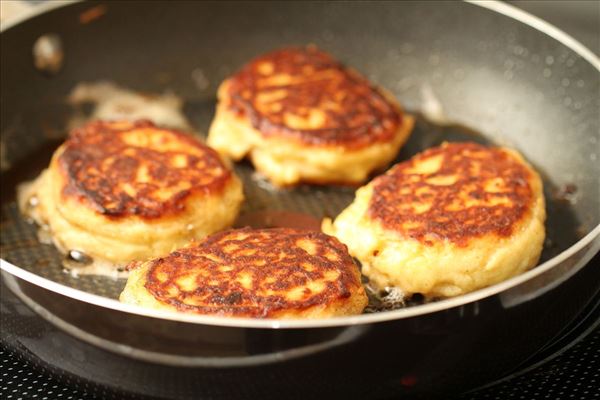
(497, 79)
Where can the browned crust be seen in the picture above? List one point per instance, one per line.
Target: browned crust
(275, 263)
(356, 113)
(448, 217)
(98, 166)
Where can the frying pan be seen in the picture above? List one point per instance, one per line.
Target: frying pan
(498, 74)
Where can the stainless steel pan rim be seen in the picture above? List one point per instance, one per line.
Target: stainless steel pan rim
(586, 241)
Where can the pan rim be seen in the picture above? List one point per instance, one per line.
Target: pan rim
(363, 319)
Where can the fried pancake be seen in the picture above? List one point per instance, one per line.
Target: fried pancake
(123, 191)
(451, 220)
(262, 273)
(300, 115)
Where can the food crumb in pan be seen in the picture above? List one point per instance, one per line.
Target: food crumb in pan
(264, 183)
(43, 235)
(48, 54)
(92, 14)
(390, 298)
(79, 257)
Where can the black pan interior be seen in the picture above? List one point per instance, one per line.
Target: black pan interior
(498, 80)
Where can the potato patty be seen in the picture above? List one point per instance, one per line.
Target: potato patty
(121, 191)
(300, 115)
(451, 220)
(263, 273)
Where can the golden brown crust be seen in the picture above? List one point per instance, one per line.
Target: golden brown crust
(454, 192)
(256, 273)
(306, 94)
(124, 169)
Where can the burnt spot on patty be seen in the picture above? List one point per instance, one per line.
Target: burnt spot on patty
(124, 168)
(454, 192)
(306, 94)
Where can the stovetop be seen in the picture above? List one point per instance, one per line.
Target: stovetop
(572, 374)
